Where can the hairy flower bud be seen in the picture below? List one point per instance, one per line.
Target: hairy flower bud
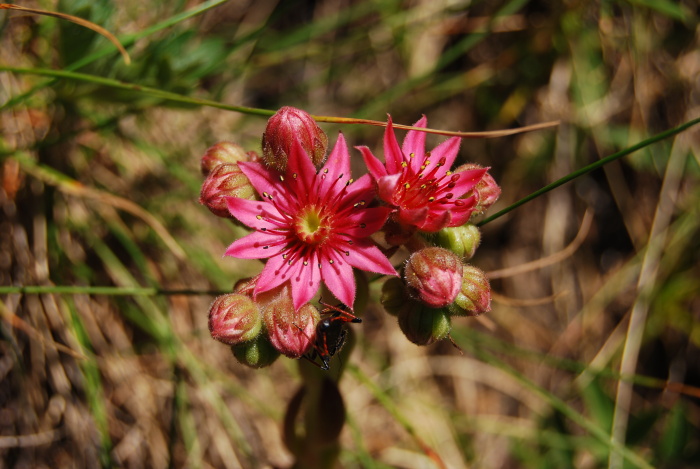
(286, 126)
(226, 180)
(423, 325)
(234, 319)
(487, 191)
(246, 286)
(474, 297)
(290, 331)
(257, 353)
(462, 240)
(222, 153)
(434, 275)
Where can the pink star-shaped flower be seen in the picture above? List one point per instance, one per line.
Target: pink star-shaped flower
(418, 185)
(311, 226)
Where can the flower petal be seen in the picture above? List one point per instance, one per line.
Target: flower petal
(386, 187)
(253, 213)
(366, 256)
(392, 152)
(462, 213)
(300, 174)
(306, 280)
(275, 273)
(414, 216)
(448, 150)
(338, 276)
(414, 142)
(467, 181)
(375, 167)
(364, 223)
(261, 178)
(256, 245)
(338, 161)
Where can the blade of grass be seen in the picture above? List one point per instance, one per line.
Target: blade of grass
(645, 285)
(71, 186)
(591, 167)
(560, 405)
(167, 95)
(126, 40)
(84, 23)
(386, 402)
(448, 57)
(107, 291)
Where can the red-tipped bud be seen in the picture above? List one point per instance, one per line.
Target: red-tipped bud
(257, 353)
(290, 124)
(222, 153)
(291, 332)
(462, 240)
(474, 297)
(434, 275)
(234, 319)
(226, 180)
(487, 191)
(423, 325)
(246, 286)
(254, 157)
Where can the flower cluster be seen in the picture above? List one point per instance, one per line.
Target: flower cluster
(312, 224)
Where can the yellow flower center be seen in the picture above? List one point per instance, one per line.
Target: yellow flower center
(312, 226)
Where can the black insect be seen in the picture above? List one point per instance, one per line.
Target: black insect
(331, 334)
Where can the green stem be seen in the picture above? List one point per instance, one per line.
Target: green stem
(97, 80)
(591, 167)
(112, 291)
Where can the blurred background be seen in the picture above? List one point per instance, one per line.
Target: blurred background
(100, 188)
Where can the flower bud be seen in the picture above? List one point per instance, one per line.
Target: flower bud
(487, 191)
(462, 240)
(234, 319)
(257, 353)
(291, 332)
(434, 275)
(246, 286)
(286, 126)
(474, 297)
(394, 296)
(253, 157)
(222, 153)
(226, 180)
(423, 325)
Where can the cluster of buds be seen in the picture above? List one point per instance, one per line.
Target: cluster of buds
(313, 223)
(436, 284)
(238, 320)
